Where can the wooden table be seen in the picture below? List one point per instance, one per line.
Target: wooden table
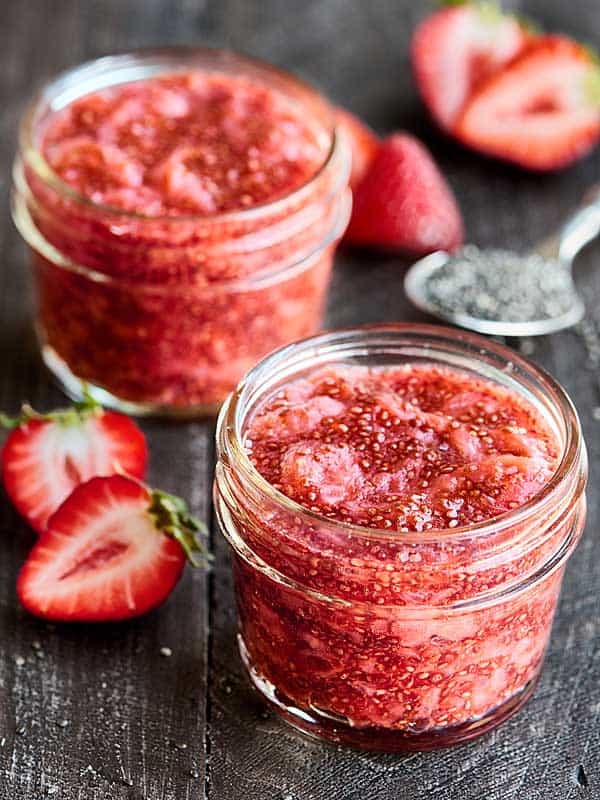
(97, 712)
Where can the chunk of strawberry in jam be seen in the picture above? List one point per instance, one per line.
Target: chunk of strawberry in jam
(292, 418)
(95, 168)
(329, 473)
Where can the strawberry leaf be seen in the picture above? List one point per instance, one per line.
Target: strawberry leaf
(74, 415)
(529, 25)
(492, 13)
(171, 516)
(592, 78)
(592, 86)
(481, 5)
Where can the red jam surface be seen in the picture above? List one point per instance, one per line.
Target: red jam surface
(182, 144)
(177, 319)
(408, 449)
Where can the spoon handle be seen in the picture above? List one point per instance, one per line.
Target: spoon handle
(581, 227)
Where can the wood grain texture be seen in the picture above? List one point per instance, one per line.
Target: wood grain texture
(96, 713)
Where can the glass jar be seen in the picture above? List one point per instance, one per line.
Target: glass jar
(385, 640)
(165, 314)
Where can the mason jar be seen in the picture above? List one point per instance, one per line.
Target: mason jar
(165, 313)
(390, 640)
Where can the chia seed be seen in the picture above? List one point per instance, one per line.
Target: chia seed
(527, 346)
(502, 286)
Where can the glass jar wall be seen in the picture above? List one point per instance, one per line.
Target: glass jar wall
(384, 639)
(161, 309)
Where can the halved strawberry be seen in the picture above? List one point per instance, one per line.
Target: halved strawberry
(47, 455)
(404, 202)
(454, 49)
(542, 111)
(364, 144)
(113, 550)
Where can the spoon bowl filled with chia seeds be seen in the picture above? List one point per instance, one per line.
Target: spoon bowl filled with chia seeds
(502, 293)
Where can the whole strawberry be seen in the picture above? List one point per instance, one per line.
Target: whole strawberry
(47, 455)
(364, 144)
(404, 203)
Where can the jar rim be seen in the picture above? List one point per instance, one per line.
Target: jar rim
(229, 440)
(133, 59)
(253, 282)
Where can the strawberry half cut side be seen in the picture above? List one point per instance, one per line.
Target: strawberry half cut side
(542, 112)
(113, 550)
(47, 455)
(457, 48)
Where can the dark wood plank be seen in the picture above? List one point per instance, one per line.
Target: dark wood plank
(127, 708)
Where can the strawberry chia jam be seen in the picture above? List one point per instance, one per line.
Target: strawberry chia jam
(181, 207)
(401, 502)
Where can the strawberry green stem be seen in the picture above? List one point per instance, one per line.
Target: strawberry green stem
(592, 80)
(171, 516)
(492, 12)
(79, 412)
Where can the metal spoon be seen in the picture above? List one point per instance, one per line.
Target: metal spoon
(579, 229)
